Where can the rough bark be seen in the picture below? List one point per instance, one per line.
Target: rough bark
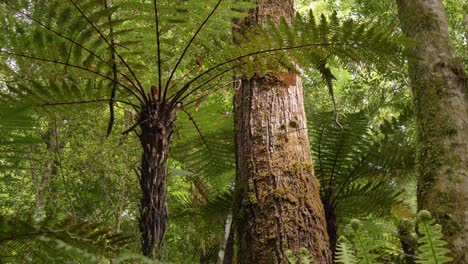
(156, 123)
(332, 226)
(439, 87)
(279, 206)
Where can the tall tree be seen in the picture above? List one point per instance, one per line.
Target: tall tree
(439, 86)
(278, 194)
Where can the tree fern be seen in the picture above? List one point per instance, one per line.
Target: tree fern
(431, 244)
(355, 166)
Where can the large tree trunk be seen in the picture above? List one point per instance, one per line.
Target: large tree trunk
(156, 123)
(278, 195)
(440, 93)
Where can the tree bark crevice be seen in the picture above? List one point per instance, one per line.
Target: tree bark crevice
(279, 195)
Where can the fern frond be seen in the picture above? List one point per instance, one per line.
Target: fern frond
(354, 164)
(344, 252)
(363, 243)
(431, 244)
(314, 43)
(27, 241)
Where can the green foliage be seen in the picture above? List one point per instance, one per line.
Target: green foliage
(355, 163)
(312, 43)
(344, 253)
(19, 134)
(431, 244)
(301, 257)
(52, 241)
(364, 247)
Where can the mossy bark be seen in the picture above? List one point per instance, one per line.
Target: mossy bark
(439, 87)
(156, 123)
(279, 206)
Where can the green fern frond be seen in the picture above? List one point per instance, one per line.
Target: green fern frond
(204, 146)
(363, 244)
(311, 42)
(344, 252)
(27, 241)
(431, 244)
(354, 164)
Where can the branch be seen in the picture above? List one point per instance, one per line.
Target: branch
(187, 46)
(205, 95)
(133, 127)
(57, 152)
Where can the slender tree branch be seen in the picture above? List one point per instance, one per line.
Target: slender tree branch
(187, 47)
(133, 127)
(207, 94)
(57, 152)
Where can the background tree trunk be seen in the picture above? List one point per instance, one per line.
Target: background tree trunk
(439, 88)
(279, 206)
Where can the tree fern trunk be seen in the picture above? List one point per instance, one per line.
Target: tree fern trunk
(332, 226)
(156, 128)
(439, 86)
(279, 206)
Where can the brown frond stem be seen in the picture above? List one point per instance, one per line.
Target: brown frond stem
(87, 102)
(187, 47)
(198, 130)
(72, 66)
(158, 47)
(68, 39)
(272, 50)
(114, 72)
(141, 90)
